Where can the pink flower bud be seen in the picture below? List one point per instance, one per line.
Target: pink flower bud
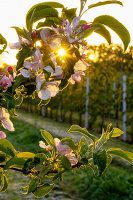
(34, 34)
(2, 135)
(10, 70)
(86, 26)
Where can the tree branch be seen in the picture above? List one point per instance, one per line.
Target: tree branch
(78, 165)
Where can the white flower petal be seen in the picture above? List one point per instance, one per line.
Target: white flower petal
(40, 78)
(25, 73)
(44, 34)
(14, 45)
(37, 54)
(42, 144)
(55, 43)
(75, 22)
(53, 90)
(58, 71)
(71, 80)
(54, 29)
(7, 124)
(80, 66)
(27, 65)
(72, 159)
(49, 69)
(44, 94)
(53, 58)
(38, 86)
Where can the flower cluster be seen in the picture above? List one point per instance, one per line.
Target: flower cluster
(63, 150)
(57, 59)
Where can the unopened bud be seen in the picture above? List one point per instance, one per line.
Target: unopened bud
(10, 70)
(86, 26)
(34, 34)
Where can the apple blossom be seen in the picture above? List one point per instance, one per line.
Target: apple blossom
(81, 65)
(65, 150)
(17, 45)
(6, 81)
(48, 91)
(76, 77)
(72, 159)
(4, 119)
(44, 146)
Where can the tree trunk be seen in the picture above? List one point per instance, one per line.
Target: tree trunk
(60, 110)
(70, 117)
(46, 112)
(64, 116)
(51, 113)
(56, 115)
(80, 119)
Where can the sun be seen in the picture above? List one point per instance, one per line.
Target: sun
(61, 52)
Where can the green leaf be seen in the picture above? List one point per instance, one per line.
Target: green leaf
(116, 26)
(49, 21)
(43, 190)
(25, 155)
(83, 146)
(24, 53)
(11, 103)
(3, 42)
(104, 3)
(83, 150)
(19, 81)
(104, 137)
(39, 12)
(2, 157)
(83, 22)
(48, 137)
(70, 142)
(76, 128)
(82, 142)
(7, 147)
(20, 31)
(69, 13)
(19, 159)
(87, 33)
(44, 170)
(100, 159)
(1, 177)
(5, 184)
(128, 156)
(38, 8)
(101, 30)
(109, 159)
(116, 132)
(33, 185)
(41, 156)
(66, 163)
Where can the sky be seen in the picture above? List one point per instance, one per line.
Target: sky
(13, 12)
